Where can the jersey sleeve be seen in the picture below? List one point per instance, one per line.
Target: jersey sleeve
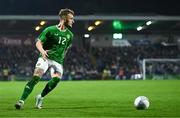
(43, 36)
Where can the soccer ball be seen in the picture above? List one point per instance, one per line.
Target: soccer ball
(141, 103)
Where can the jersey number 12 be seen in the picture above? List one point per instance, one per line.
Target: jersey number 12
(62, 40)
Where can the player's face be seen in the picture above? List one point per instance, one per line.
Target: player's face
(69, 20)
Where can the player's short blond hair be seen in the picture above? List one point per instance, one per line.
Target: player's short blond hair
(64, 12)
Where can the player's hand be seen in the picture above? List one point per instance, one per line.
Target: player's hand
(44, 54)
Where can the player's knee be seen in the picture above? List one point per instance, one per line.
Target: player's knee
(57, 74)
(38, 72)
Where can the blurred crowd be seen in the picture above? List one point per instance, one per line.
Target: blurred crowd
(85, 64)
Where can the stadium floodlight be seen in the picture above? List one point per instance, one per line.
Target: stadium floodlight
(86, 35)
(97, 22)
(90, 28)
(148, 22)
(117, 25)
(117, 36)
(37, 28)
(42, 22)
(139, 28)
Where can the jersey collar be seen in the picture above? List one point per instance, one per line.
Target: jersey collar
(60, 29)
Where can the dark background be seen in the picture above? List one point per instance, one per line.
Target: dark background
(86, 7)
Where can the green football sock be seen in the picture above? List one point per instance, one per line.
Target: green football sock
(50, 86)
(29, 87)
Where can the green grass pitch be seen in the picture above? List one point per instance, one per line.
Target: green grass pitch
(94, 99)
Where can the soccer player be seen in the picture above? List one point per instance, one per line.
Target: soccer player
(52, 44)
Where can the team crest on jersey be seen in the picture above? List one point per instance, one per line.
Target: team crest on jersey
(68, 36)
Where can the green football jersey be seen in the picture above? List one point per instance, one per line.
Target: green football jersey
(56, 41)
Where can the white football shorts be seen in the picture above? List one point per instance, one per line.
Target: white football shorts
(49, 64)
